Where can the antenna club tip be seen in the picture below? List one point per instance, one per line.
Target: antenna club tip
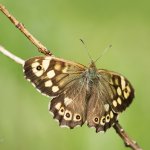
(82, 41)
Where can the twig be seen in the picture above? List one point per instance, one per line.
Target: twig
(21, 27)
(127, 140)
(11, 56)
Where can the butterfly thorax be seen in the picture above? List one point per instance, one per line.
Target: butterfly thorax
(90, 77)
(91, 72)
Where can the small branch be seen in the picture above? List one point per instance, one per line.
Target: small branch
(127, 140)
(11, 56)
(21, 27)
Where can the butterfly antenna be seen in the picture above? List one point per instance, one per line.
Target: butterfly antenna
(105, 50)
(86, 49)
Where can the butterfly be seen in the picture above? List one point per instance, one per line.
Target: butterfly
(80, 94)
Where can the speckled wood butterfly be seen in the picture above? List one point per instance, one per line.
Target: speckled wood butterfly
(80, 94)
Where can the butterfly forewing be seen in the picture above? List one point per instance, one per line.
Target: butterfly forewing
(120, 90)
(99, 112)
(50, 75)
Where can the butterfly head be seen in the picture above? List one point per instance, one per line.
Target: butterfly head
(92, 64)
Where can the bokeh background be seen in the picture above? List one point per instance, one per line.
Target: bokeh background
(59, 24)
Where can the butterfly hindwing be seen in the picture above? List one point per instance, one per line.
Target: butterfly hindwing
(69, 108)
(99, 112)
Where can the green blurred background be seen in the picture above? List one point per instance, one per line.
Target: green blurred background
(25, 123)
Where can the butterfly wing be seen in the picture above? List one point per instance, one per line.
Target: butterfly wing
(111, 93)
(99, 112)
(69, 108)
(50, 74)
(119, 89)
(63, 80)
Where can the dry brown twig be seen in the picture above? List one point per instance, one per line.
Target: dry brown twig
(22, 28)
(127, 140)
(120, 131)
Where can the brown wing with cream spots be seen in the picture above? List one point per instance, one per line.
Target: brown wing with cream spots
(99, 112)
(69, 108)
(79, 93)
(50, 75)
(120, 90)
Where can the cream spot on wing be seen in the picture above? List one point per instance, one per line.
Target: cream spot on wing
(102, 122)
(107, 118)
(119, 101)
(58, 105)
(45, 64)
(116, 81)
(55, 89)
(96, 120)
(57, 66)
(128, 89)
(106, 107)
(37, 73)
(126, 94)
(51, 74)
(123, 83)
(61, 111)
(119, 91)
(65, 70)
(115, 103)
(48, 83)
(35, 64)
(67, 101)
(111, 114)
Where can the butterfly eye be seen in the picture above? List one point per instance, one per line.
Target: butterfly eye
(38, 68)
